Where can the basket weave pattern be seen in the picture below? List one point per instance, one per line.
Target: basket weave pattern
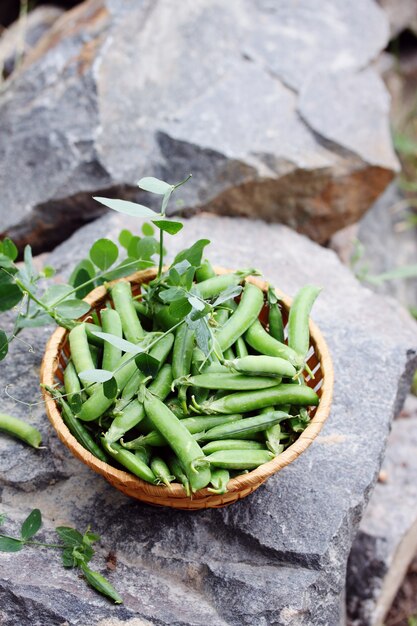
(57, 354)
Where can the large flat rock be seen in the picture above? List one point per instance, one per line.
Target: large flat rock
(273, 106)
(276, 558)
(387, 539)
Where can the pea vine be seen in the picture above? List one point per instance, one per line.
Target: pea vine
(77, 550)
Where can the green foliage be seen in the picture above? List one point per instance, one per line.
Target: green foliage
(77, 550)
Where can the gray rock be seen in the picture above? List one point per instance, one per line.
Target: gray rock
(115, 91)
(387, 538)
(276, 558)
(17, 40)
(402, 15)
(385, 245)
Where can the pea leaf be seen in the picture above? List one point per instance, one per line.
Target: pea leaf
(171, 294)
(143, 248)
(90, 538)
(82, 272)
(104, 253)
(155, 185)
(101, 584)
(72, 309)
(68, 558)
(95, 376)
(28, 260)
(10, 296)
(110, 388)
(40, 320)
(230, 292)
(147, 364)
(126, 207)
(4, 345)
(165, 201)
(148, 230)
(128, 266)
(56, 293)
(193, 254)
(196, 303)
(31, 525)
(122, 344)
(69, 536)
(75, 402)
(9, 249)
(180, 308)
(8, 544)
(201, 331)
(2, 518)
(168, 226)
(125, 237)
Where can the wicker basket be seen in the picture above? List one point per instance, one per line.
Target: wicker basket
(56, 357)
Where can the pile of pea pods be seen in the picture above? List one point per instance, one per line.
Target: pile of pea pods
(196, 420)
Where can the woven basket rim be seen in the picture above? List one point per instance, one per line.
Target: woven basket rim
(175, 494)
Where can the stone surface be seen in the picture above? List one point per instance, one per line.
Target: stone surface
(385, 245)
(273, 107)
(387, 538)
(276, 558)
(23, 35)
(402, 15)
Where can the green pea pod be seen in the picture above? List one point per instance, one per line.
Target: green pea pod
(98, 402)
(161, 350)
(273, 434)
(163, 317)
(181, 358)
(260, 365)
(121, 294)
(130, 461)
(298, 320)
(180, 440)
(72, 384)
(228, 381)
(128, 419)
(93, 328)
(228, 354)
(21, 430)
(80, 352)
(178, 471)
(275, 322)
(192, 424)
(245, 401)
(111, 323)
(161, 471)
(144, 454)
(130, 390)
(240, 348)
(250, 305)
(142, 309)
(214, 286)
(219, 479)
(160, 387)
(205, 271)
(232, 444)
(257, 337)
(76, 427)
(221, 316)
(239, 459)
(100, 583)
(248, 425)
